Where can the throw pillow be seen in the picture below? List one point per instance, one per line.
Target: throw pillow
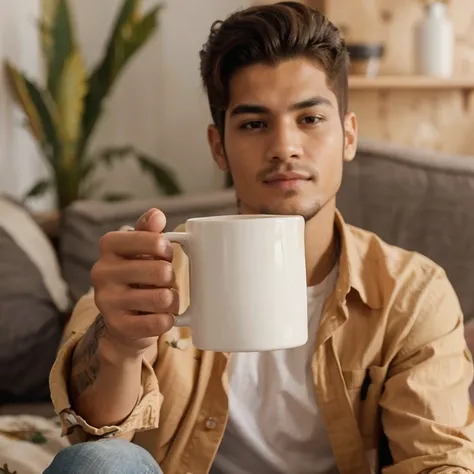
(33, 300)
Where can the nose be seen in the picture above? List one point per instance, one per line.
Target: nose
(284, 142)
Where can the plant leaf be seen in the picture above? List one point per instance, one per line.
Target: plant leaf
(133, 37)
(72, 88)
(62, 45)
(108, 156)
(39, 110)
(128, 35)
(112, 197)
(100, 82)
(48, 9)
(22, 97)
(112, 154)
(128, 10)
(38, 189)
(163, 176)
(136, 13)
(124, 16)
(86, 168)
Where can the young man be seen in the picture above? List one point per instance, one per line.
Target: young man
(384, 377)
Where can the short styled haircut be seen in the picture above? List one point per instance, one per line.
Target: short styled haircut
(270, 34)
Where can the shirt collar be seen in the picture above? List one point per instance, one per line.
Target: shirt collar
(357, 267)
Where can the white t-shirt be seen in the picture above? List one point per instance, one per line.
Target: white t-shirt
(274, 424)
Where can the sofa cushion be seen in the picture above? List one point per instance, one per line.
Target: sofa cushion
(418, 200)
(85, 222)
(33, 298)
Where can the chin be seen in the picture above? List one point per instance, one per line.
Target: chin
(293, 207)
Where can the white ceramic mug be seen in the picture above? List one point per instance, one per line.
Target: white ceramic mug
(247, 282)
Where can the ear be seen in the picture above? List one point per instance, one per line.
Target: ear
(217, 147)
(350, 136)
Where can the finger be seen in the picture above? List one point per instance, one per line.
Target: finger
(146, 325)
(151, 273)
(152, 221)
(130, 244)
(149, 300)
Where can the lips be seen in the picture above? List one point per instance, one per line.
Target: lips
(287, 181)
(287, 176)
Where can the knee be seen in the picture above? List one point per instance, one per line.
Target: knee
(105, 456)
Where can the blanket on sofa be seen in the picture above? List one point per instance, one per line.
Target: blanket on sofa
(28, 444)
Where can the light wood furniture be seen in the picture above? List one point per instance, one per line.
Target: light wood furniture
(397, 105)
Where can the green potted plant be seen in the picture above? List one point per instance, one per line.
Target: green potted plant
(63, 114)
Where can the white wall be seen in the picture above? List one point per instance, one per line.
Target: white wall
(158, 103)
(20, 164)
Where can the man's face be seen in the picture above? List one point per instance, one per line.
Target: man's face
(284, 142)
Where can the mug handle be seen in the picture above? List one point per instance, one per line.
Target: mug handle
(181, 238)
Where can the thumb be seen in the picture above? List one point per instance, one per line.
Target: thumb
(152, 221)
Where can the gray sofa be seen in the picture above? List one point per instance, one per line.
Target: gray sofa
(418, 200)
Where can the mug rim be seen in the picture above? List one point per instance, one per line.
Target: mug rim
(245, 218)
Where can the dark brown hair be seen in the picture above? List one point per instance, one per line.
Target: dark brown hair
(270, 34)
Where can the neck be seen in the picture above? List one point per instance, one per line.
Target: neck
(320, 244)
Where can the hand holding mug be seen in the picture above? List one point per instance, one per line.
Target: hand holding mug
(133, 283)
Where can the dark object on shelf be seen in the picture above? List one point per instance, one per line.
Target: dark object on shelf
(365, 58)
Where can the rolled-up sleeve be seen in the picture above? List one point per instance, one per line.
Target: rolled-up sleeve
(144, 416)
(427, 415)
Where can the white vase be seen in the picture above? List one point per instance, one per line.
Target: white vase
(434, 42)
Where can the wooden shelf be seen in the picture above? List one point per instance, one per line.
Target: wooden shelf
(386, 83)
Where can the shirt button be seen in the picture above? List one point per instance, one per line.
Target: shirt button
(110, 434)
(211, 423)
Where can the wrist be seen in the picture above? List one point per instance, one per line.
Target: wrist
(114, 352)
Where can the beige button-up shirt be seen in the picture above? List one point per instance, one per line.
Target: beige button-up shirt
(391, 372)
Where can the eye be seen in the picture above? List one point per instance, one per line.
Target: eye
(311, 120)
(253, 125)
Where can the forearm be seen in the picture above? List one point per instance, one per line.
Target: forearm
(105, 381)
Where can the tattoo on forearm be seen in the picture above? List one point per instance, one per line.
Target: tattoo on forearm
(85, 361)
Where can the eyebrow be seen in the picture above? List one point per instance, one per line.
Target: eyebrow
(260, 109)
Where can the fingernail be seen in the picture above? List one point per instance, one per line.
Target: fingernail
(149, 216)
(145, 219)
